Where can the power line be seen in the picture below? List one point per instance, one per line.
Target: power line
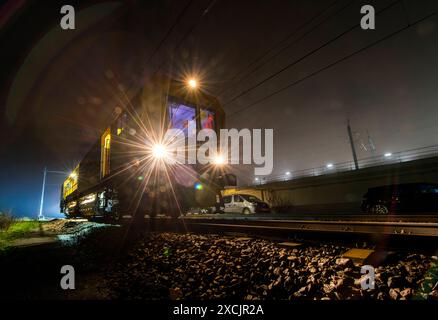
(336, 62)
(166, 36)
(327, 43)
(188, 32)
(176, 22)
(290, 35)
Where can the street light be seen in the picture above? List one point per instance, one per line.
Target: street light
(388, 154)
(72, 175)
(329, 166)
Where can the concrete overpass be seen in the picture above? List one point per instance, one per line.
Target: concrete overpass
(340, 191)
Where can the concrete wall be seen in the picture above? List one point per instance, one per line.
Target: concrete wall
(343, 191)
(259, 193)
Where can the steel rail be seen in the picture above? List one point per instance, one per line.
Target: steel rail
(322, 217)
(353, 227)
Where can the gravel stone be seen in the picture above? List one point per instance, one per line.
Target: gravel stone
(190, 266)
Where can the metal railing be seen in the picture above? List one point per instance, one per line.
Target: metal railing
(377, 160)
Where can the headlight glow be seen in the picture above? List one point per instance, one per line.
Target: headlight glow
(219, 160)
(159, 151)
(192, 83)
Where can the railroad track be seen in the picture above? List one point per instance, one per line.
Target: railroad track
(391, 228)
(324, 217)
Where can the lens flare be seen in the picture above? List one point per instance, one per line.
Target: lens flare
(219, 160)
(199, 186)
(159, 151)
(193, 83)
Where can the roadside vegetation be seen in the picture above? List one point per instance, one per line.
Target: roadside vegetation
(6, 220)
(12, 229)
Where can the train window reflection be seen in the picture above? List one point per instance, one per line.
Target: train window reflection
(180, 115)
(207, 119)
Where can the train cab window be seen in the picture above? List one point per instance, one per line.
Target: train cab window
(71, 183)
(121, 122)
(105, 143)
(207, 119)
(180, 116)
(227, 199)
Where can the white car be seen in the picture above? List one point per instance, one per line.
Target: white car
(243, 203)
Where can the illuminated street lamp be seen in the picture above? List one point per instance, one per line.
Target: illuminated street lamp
(388, 155)
(329, 165)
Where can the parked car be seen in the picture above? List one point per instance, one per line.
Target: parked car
(409, 197)
(243, 203)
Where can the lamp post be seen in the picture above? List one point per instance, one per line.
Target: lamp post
(40, 214)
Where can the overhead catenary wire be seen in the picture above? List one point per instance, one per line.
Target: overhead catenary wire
(310, 53)
(169, 31)
(162, 41)
(392, 34)
(187, 33)
(279, 43)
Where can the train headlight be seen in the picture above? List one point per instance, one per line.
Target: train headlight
(219, 160)
(159, 151)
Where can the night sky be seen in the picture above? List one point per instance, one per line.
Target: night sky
(57, 94)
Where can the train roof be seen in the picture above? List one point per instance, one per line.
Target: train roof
(179, 88)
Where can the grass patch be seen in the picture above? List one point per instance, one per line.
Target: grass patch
(17, 230)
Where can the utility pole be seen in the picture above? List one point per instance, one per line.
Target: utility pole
(353, 150)
(371, 144)
(40, 215)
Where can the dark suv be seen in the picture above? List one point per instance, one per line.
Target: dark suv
(408, 197)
